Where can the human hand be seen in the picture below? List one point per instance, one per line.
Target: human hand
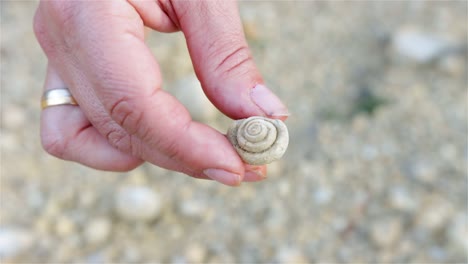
(97, 50)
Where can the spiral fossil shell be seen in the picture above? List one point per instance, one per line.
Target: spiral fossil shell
(259, 140)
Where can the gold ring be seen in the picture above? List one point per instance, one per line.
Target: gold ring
(60, 96)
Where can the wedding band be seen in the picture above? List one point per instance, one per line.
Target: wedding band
(60, 96)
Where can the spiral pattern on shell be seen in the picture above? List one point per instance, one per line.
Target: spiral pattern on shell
(259, 140)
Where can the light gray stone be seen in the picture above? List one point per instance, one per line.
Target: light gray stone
(64, 226)
(401, 199)
(192, 208)
(98, 230)
(454, 65)
(387, 231)
(14, 241)
(419, 46)
(137, 203)
(195, 253)
(458, 232)
(290, 255)
(435, 213)
(323, 195)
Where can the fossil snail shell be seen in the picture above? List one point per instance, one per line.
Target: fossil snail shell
(259, 140)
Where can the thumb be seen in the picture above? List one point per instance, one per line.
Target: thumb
(223, 61)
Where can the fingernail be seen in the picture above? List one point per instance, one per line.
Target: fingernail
(223, 176)
(270, 104)
(254, 173)
(253, 176)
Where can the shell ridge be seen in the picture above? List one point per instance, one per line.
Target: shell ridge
(267, 143)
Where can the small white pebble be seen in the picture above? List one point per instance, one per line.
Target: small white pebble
(98, 230)
(419, 46)
(137, 203)
(14, 241)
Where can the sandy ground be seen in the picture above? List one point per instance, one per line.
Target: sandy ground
(375, 172)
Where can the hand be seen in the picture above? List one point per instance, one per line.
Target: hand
(97, 50)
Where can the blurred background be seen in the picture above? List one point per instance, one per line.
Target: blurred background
(376, 170)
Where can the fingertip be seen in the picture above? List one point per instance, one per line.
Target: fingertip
(224, 177)
(126, 166)
(255, 173)
(268, 102)
(204, 148)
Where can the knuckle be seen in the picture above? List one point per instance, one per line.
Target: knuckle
(170, 7)
(172, 147)
(235, 59)
(52, 22)
(119, 139)
(63, 12)
(130, 131)
(127, 114)
(42, 34)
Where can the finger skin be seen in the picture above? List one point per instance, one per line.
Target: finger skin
(67, 134)
(110, 61)
(116, 81)
(153, 16)
(255, 173)
(223, 61)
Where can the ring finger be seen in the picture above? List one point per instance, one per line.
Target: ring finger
(67, 134)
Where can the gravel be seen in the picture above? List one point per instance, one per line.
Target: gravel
(98, 230)
(14, 241)
(419, 46)
(375, 171)
(137, 203)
